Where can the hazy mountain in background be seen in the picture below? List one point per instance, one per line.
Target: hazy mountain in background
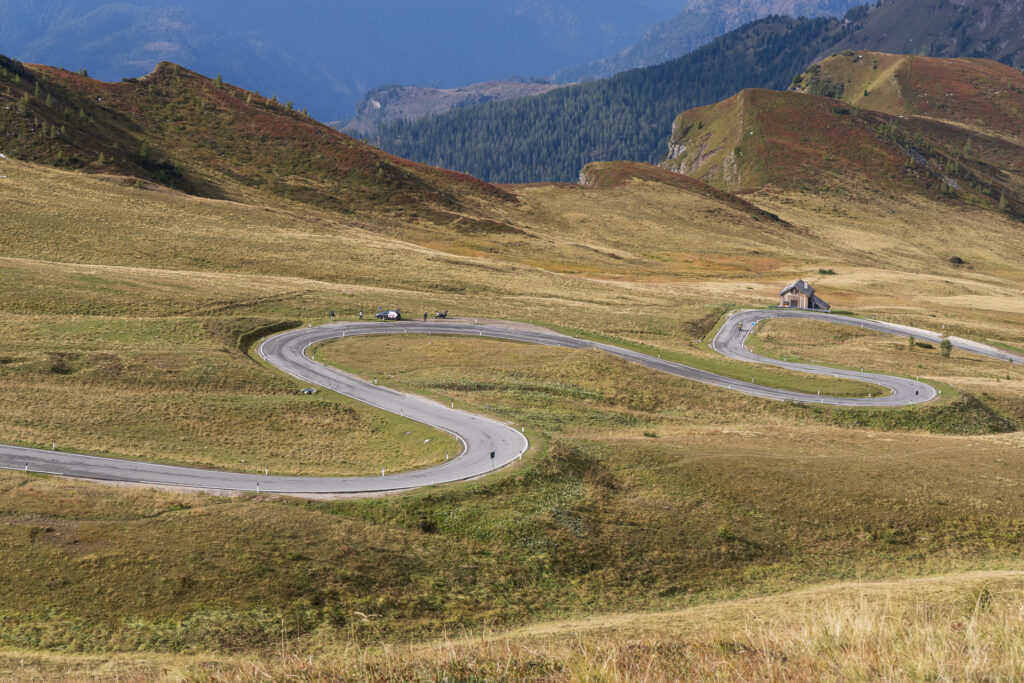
(391, 103)
(699, 23)
(993, 29)
(325, 55)
(629, 116)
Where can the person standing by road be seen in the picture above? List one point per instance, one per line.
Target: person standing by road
(360, 315)
(424, 317)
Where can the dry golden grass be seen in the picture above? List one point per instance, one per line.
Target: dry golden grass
(655, 493)
(165, 389)
(908, 234)
(852, 347)
(949, 628)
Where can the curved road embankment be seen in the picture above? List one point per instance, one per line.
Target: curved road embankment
(481, 437)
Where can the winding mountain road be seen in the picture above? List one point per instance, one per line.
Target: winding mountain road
(488, 444)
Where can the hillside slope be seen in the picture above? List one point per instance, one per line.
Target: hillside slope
(208, 138)
(181, 130)
(759, 138)
(977, 93)
(901, 629)
(976, 104)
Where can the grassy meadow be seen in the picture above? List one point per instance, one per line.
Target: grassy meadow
(122, 327)
(953, 627)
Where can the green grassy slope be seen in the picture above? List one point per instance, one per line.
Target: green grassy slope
(978, 93)
(791, 140)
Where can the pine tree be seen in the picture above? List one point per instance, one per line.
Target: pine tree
(1003, 204)
(946, 346)
(220, 81)
(911, 343)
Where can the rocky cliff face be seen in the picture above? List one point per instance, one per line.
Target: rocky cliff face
(394, 102)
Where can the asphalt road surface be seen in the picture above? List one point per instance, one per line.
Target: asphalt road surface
(488, 445)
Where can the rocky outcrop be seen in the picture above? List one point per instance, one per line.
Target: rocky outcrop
(394, 102)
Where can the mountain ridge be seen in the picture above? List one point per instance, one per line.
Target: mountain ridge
(700, 22)
(209, 138)
(623, 117)
(761, 138)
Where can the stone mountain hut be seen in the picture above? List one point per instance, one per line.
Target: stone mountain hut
(801, 295)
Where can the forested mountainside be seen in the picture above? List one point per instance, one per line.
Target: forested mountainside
(699, 23)
(629, 116)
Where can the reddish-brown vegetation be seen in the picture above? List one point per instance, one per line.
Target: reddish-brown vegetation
(181, 129)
